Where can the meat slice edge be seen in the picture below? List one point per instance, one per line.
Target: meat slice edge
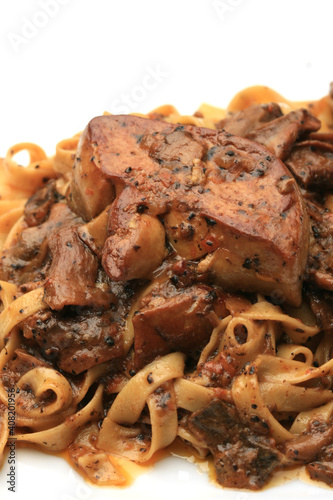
(242, 458)
(250, 205)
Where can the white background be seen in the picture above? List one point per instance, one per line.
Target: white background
(65, 61)
(60, 70)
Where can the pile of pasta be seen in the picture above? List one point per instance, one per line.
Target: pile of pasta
(282, 383)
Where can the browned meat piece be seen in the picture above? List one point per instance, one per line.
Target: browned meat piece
(280, 135)
(73, 273)
(172, 320)
(52, 253)
(135, 246)
(311, 163)
(75, 339)
(321, 303)
(320, 261)
(26, 259)
(322, 468)
(218, 195)
(243, 458)
(249, 119)
(94, 233)
(322, 137)
(321, 471)
(310, 446)
(37, 208)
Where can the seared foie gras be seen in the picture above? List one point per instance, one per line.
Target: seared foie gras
(222, 199)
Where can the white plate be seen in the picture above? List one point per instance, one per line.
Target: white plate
(40, 476)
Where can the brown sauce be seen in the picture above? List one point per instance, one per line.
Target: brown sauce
(179, 449)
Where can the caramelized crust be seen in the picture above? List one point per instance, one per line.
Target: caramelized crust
(221, 197)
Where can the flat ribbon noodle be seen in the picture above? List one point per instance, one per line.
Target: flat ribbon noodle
(302, 421)
(60, 437)
(4, 431)
(213, 341)
(65, 154)
(251, 406)
(268, 381)
(294, 327)
(20, 309)
(7, 296)
(291, 351)
(42, 380)
(95, 464)
(126, 409)
(191, 396)
(33, 176)
(8, 219)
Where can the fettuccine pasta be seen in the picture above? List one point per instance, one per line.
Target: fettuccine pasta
(113, 356)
